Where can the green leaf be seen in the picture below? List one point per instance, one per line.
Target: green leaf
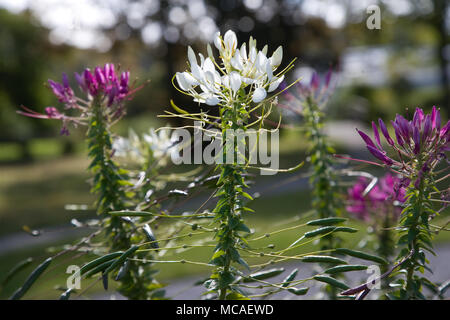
(236, 296)
(218, 254)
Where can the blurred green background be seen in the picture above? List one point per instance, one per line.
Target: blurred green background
(379, 73)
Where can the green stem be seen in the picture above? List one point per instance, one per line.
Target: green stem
(229, 207)
(322, 180)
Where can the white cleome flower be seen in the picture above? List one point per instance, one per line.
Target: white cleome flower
(239, 69)
(160, 143)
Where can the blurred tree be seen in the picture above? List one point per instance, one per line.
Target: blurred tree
(24, 63)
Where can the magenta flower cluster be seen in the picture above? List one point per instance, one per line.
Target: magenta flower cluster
(386, 196)
(316, 91)
(422, 137)
(103, 86)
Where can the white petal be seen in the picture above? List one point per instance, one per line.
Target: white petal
(259, 95)
(184, 85)
(248, 80)
(274, 85)
(191, 57)
(236, 61)
(269, 71)
(277, 56)
(197, 73)
(212, 100)
(252, 54)
(202, 59)
(218, 41)
(235, 81)
(243, 51)
(264, 50)
(261, 62)
(230, 40)
(226, 80)
(190, 79)
(209, 65)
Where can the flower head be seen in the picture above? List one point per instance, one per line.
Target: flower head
(316, 91)
(217, 82)
(421, 138)
(103, 86)
(365, 201)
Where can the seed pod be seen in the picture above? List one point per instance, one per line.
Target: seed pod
(105, 280)
(98, 269)
(345, 229)
(332, 282)
(289, 278)
(121, 259)
(31, 279)
(347, 268)
(123, 270)
(325, 221)
(150, 236)
(264, 274)
(323, 259)
(319, 231)
(298, 291)
(16, 269)
(361, 255)
(126, 213)
(99, 261)
(66, 294)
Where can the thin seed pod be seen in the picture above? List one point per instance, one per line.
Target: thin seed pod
(65, 295)
(264, 274)
(290, 278)
(319, 231)
(326, 221)
(345, 229)
(99, 261)
(332, 282)
(347, 268)
(323, 259)
(16, 269)
(31, 279)
(126, 213)
(361, 255)
(99, 268)
(298, 291)
(123, 270)
(150, 236)
(121, 259)
(105, 280)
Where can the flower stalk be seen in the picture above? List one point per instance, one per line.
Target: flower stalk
(240, 77)
(420, 145)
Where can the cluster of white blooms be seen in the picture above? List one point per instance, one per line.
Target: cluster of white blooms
(215, 83)
(135, 149)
